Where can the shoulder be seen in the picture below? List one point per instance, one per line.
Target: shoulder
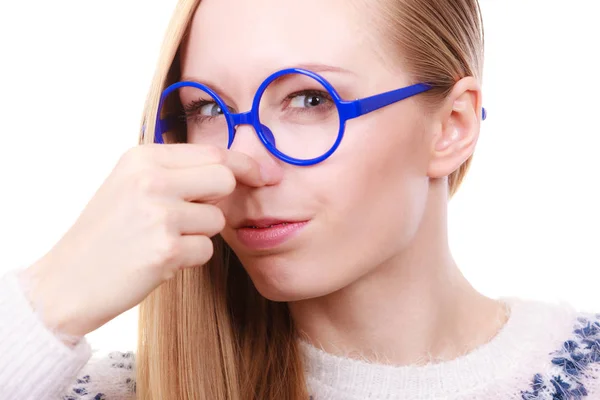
(573, 364)
(109, 377)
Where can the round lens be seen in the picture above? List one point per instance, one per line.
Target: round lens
(299, 117)
(197, 114)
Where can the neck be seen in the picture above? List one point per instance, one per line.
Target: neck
(415, 308)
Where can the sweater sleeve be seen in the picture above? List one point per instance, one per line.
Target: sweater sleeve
(34, 363)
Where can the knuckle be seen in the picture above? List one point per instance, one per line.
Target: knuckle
(166, 219)
(135, 156)
(150, 182)
(160, 219)
(169, 250)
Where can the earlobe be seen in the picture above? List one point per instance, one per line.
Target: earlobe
(459, 129)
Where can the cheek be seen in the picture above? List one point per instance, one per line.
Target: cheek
(382, 168)
(379, 195)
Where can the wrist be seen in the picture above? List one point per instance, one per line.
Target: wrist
(45, 303)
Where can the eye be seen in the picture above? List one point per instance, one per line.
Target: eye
(309, 99)
(210, 110)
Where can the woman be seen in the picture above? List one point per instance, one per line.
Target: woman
(329, 274)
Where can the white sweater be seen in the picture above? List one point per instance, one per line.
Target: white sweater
(544, 352)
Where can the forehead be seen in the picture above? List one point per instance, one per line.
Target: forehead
(258, 37)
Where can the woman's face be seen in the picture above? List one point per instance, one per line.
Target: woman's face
(362, 205)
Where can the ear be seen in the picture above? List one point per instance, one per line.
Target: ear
(459, 123)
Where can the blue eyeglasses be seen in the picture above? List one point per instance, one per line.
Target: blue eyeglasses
(297, 114)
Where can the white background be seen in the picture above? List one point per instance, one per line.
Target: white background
(73, 79)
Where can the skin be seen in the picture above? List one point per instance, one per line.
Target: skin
(372, 272)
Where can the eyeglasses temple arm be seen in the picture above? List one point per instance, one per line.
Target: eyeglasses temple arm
(372, 103)
(369, 104)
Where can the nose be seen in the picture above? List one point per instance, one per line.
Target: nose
(246, 141)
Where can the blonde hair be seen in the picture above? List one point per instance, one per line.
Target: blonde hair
(208, 333)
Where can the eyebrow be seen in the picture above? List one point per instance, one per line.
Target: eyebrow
(206, 82)
(314, 67)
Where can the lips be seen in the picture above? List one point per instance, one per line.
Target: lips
(266, 234)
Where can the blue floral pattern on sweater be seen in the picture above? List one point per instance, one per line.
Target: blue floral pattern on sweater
(571, 365)
(82, 388)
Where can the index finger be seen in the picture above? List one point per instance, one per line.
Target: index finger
(245, 168)
(185, 155)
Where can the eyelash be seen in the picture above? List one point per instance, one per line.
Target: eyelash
(195, 106)
(309, 92)
(191, 110)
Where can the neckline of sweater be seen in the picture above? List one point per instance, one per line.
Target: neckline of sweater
(532, 331)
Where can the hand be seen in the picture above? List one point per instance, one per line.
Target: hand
(153, 216)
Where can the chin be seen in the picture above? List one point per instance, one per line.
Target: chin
(279, 279)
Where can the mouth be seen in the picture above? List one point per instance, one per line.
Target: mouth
(267, 234)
